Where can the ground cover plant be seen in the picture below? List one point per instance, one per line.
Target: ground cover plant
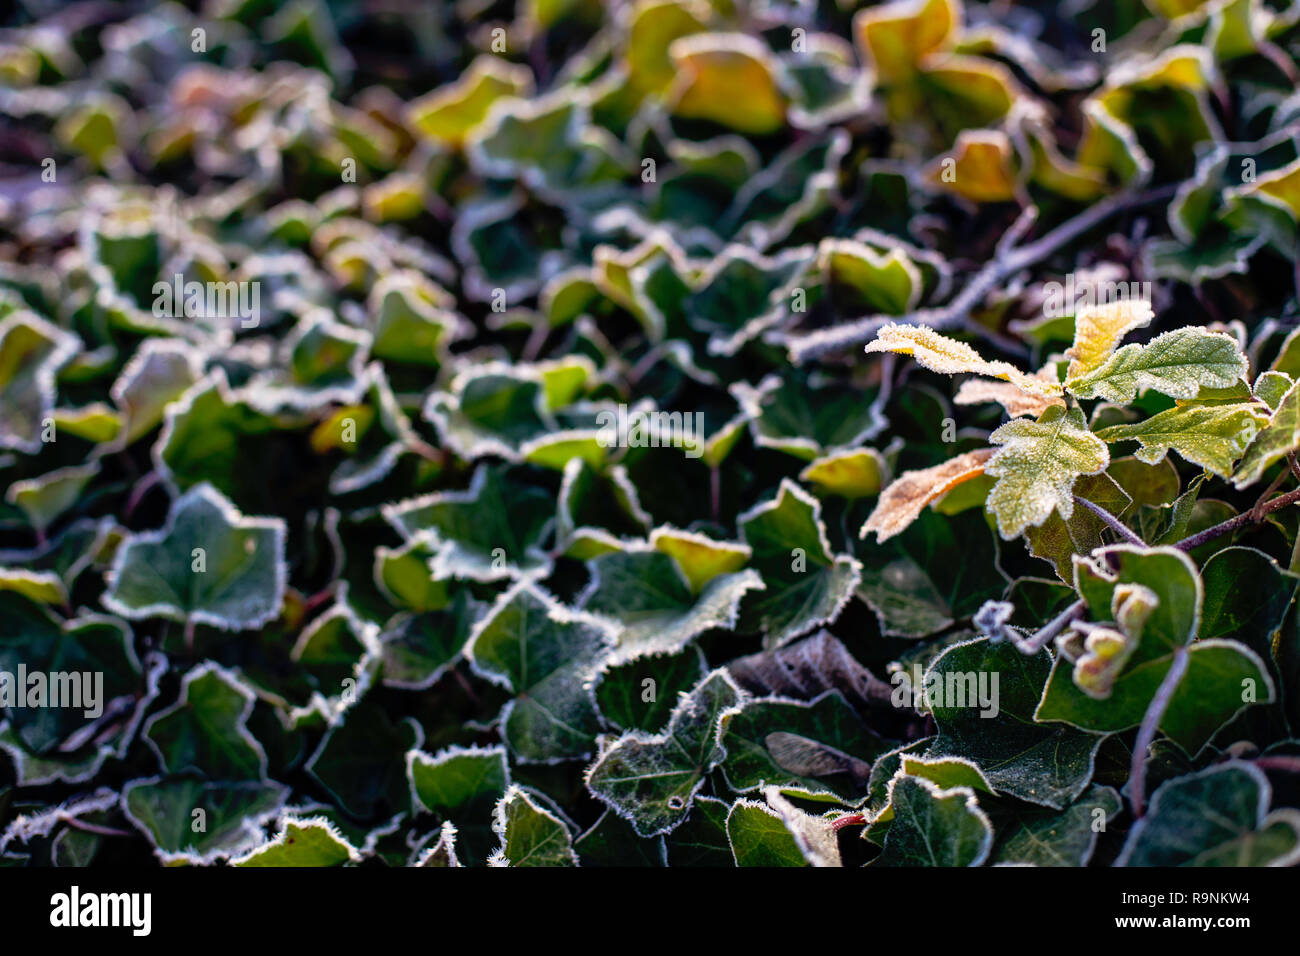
(674, 432)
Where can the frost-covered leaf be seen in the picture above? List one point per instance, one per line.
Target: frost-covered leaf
(938, 353)
(759, 837)
(547, 656)
(1100, 328)
(530, 834)
(1215, 817)
(189, 821)
(651, 780)
(934, 827)
(206, 730)
(209, 564)
(31, 353)
(902, 502)
(493, 530)
(1037, 467)
(1212, 436)
(1065, 838)
(1178, 364)
(820, 748)
(984, 698)
(806, 583)
(1212, 691)
(1275, 440)
(649, 600)
(302, 842)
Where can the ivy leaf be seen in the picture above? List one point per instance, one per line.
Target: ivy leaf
(489, 532)
(1210, 693)
(207, 728)
(934, 827)
(168, 811)
(611, 841)
(651, 780)
(992, 724)
(31, 353)
(821, 748)
(1037, 467)
(641, 694)
(806, 583)
(717, 71)
(649, 600)
(1178, 364)
(1214, 817)
(548, 657)
(458, 782)
(759, 837)
(461, 785)
(361, 760)
(302, 842)
(1212, 436)
(702, 840)
(530, 834)
(1064, 838)
(209, 565)
(93, 644)
(451, 112)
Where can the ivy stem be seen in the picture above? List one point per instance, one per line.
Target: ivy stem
(1150, 724)
(1111, 521)
(1287, 764)
(1043, 636)
(95, 828)
(1240, 521)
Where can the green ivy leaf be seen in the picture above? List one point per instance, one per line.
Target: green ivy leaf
(189, 821)
(1041, 764)
(1213, 690)
(1214, 817)
(1065, 838)
(206, 730)
(934, 827)
(649, 600)
(305, 842)
(547, 656)
(530, 834)
(821, 748)
(209, 564)
(806, 583)
(651, 780)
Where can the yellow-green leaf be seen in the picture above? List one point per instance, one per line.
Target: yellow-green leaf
(1099, 329)
(1279, 437)
(1037, 466)
(1212, 436)
(1179, 364)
